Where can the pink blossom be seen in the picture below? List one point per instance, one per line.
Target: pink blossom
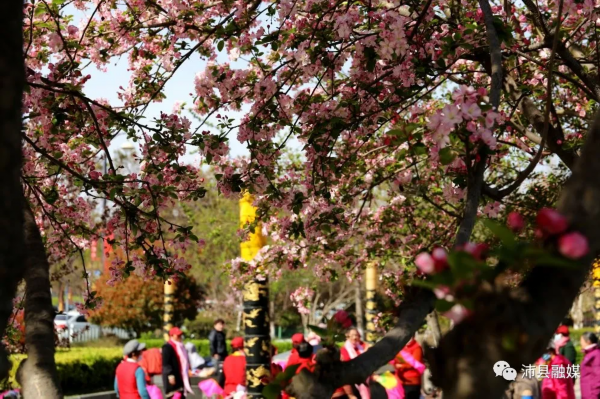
(478, 251)
(551, 222)
(457, 313)
(440, 259)
(488, 138)
(425, 263)
(490, 119)
(471, 111)
(515, 221)
(451, 115)
(492, 209)
(95, 175)
(234, 54)
(301, 298)
(573, 245)
(72, 30)
(443, 292)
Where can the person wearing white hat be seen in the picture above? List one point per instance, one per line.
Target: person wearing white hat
(130, 382)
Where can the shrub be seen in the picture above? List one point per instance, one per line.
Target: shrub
(137, 305)
(201, 326)
(84, 370)
(204, 347)
(81, 370)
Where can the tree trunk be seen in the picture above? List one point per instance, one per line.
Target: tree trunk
(358, 305)
(11, 194)
(238, 323)
(433, 325)
(577, 312)
(272, 317)
(37, 374)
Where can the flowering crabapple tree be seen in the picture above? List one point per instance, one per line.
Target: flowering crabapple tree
(413, 119)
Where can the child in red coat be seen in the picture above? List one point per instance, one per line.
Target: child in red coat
(234, 367)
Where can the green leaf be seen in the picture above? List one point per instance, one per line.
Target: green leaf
(272, 391)
(442, 306)
(319, 331)
(220, 45)
(502, 232)
(447, 156)
(40, 9)
(557, 261)
(419, 149)
(462, 264)
(424, 284)
(51, 196)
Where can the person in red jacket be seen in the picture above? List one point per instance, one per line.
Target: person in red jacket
(306, 360)
(407, 374)
(294, 358)
(557, 384)
(151, 362)
(130, 380)
(306, 357)
(234, 367)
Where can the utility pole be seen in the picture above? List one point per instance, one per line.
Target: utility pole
(371, 288)
(255, 318)
(169, 308)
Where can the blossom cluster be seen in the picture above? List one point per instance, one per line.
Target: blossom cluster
(465, 266)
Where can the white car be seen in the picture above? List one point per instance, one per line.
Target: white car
(70, 324)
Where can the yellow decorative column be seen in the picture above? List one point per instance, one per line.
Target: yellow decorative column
(371, 305)
(596, 285)
(257, 341)
(169, 308)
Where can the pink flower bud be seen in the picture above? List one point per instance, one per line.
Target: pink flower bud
(425, 263)
(478, 251)
(342, 317)
(515, 221)
(573, 245)
(551, 222)
(440, 259)
(443, 292)
(457, 313)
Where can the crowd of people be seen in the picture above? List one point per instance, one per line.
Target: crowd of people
(177, 362)
(547, 383)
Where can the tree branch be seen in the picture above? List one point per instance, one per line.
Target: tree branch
(331, 373)
(476, 178)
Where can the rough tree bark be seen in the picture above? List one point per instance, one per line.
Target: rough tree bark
(11, 197)
(433, 325)
(37, 374)
(577, 312)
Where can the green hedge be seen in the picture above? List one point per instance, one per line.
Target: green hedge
(203, 346)
(79, 377)
(81, 370)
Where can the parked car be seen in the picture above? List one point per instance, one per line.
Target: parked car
(70, 324)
